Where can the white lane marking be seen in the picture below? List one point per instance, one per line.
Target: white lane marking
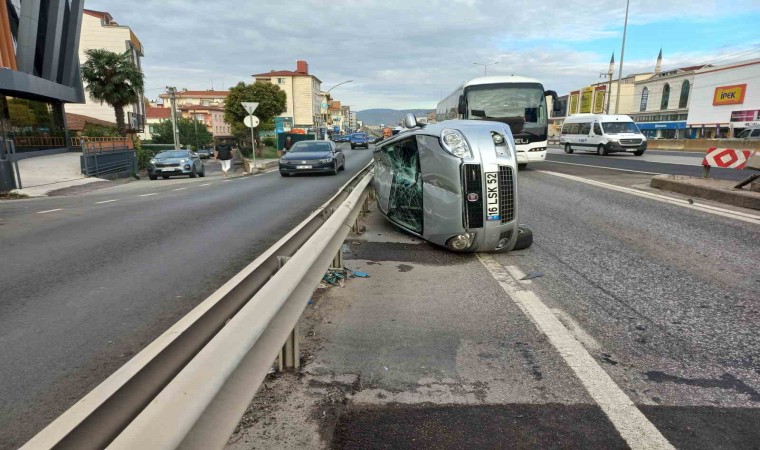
(738, 215)
(180, 189)
(630, 422)
(49, 211)
(206, 184)
(107, 201)
(603, 167)
(226, 181)
(148, 195)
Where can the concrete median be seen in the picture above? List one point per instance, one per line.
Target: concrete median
(710, 189)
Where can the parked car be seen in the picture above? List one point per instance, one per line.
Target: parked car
(752, 133)
(205, 153)
(176, 162)
(453, 183)
(311, 157)
(359, 140)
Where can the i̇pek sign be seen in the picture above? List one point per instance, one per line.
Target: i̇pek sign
(729, 95)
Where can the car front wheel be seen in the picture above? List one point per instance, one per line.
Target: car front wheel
(153, 177)
(524, 238)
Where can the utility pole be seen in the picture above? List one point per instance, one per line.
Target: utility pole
(622, 55)
(173, 98)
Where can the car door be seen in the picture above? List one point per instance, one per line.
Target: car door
(596, 130)
(339, 156)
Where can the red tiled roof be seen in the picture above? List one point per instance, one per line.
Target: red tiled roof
(76, 122)
(158, 113)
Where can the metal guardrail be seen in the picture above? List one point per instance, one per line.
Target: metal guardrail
(190, 386)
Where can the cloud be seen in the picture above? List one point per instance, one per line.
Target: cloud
(400, 54)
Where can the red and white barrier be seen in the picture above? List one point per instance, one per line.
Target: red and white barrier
(728, 158)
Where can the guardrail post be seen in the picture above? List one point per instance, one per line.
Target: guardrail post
(338, 260)
(705, 171)
(289, 353)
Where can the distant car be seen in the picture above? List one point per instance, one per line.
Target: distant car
(752, 133)
(176, 162)
(205, 153)
(312, 157)
(359, 140)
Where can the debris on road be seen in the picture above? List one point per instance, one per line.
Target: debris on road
(532, 275)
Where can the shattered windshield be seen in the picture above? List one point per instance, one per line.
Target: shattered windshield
(515, 104)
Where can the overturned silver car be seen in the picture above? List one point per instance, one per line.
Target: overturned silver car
(453, 183)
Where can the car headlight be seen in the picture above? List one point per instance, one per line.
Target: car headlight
(152, 161)
(182, 161)
(454, 142)
(613, 139)
(325, 161)
(498, 139)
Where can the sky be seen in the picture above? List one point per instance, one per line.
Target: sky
(411, 54)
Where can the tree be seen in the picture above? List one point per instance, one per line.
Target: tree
(113, 78)
(191, 132)
(271, 99)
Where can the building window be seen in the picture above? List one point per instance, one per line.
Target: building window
(665, 96)
(644, 98)
(281, 81)
(684, 99)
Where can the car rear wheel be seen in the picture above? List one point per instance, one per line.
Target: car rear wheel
(568, 149)
(524, 238)
(601, 151)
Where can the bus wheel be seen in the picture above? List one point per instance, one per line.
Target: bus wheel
(568, 149)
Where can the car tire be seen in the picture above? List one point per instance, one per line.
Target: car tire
(165, 177)
(353, 147)
(524, 238)
(203, 171)
(153, 177)
(343, 166)
(335, 168)
(568, 149)
(639, 152)
(522, 166)
(600, 150)
(284, 174)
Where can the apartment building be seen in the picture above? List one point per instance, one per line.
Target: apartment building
(100, 30)
(303, 90)
(205, 106)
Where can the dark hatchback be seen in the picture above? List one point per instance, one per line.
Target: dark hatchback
(312, 157)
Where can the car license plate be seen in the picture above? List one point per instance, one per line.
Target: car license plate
(492, 196)
(303, 167)
(170, 169)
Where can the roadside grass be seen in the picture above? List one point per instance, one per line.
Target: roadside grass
(10, 195)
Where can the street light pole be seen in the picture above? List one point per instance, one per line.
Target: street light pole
(485, 66)
(622, 54)
(324, 101)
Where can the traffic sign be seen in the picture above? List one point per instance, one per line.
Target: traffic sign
(251, 121)
(726, 157)
(250, 107)
(324, 105)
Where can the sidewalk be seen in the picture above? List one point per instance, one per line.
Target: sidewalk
(43, 174)
(708, 188)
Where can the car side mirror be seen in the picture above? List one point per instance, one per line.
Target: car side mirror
(462, 106)
(410, 121)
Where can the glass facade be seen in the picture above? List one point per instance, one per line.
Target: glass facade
(32, 124)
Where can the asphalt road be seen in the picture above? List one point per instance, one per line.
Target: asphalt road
(640, 327)
(652, 161)
(89, 280)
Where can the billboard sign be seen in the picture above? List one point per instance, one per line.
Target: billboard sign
(599, 99)
(587, 94)
(729, 95)
(573, 103)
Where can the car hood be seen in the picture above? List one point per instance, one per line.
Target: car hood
(306, 155)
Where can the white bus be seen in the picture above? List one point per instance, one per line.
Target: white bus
(517, 101)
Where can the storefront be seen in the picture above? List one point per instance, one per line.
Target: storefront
(664, 130)
(725, 100)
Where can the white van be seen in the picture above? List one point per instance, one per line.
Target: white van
(603, 134)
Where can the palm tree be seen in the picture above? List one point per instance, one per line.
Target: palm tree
(113, 78)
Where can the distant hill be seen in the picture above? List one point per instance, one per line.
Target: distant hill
(390, 117)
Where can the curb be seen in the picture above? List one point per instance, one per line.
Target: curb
(734, 197)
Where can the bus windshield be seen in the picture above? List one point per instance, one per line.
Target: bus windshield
(518, 105)
(620, 127)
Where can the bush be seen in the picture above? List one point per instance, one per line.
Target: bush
(269, 141)
(143, 155)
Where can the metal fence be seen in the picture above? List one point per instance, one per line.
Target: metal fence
(190, 386)
(108, 156)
